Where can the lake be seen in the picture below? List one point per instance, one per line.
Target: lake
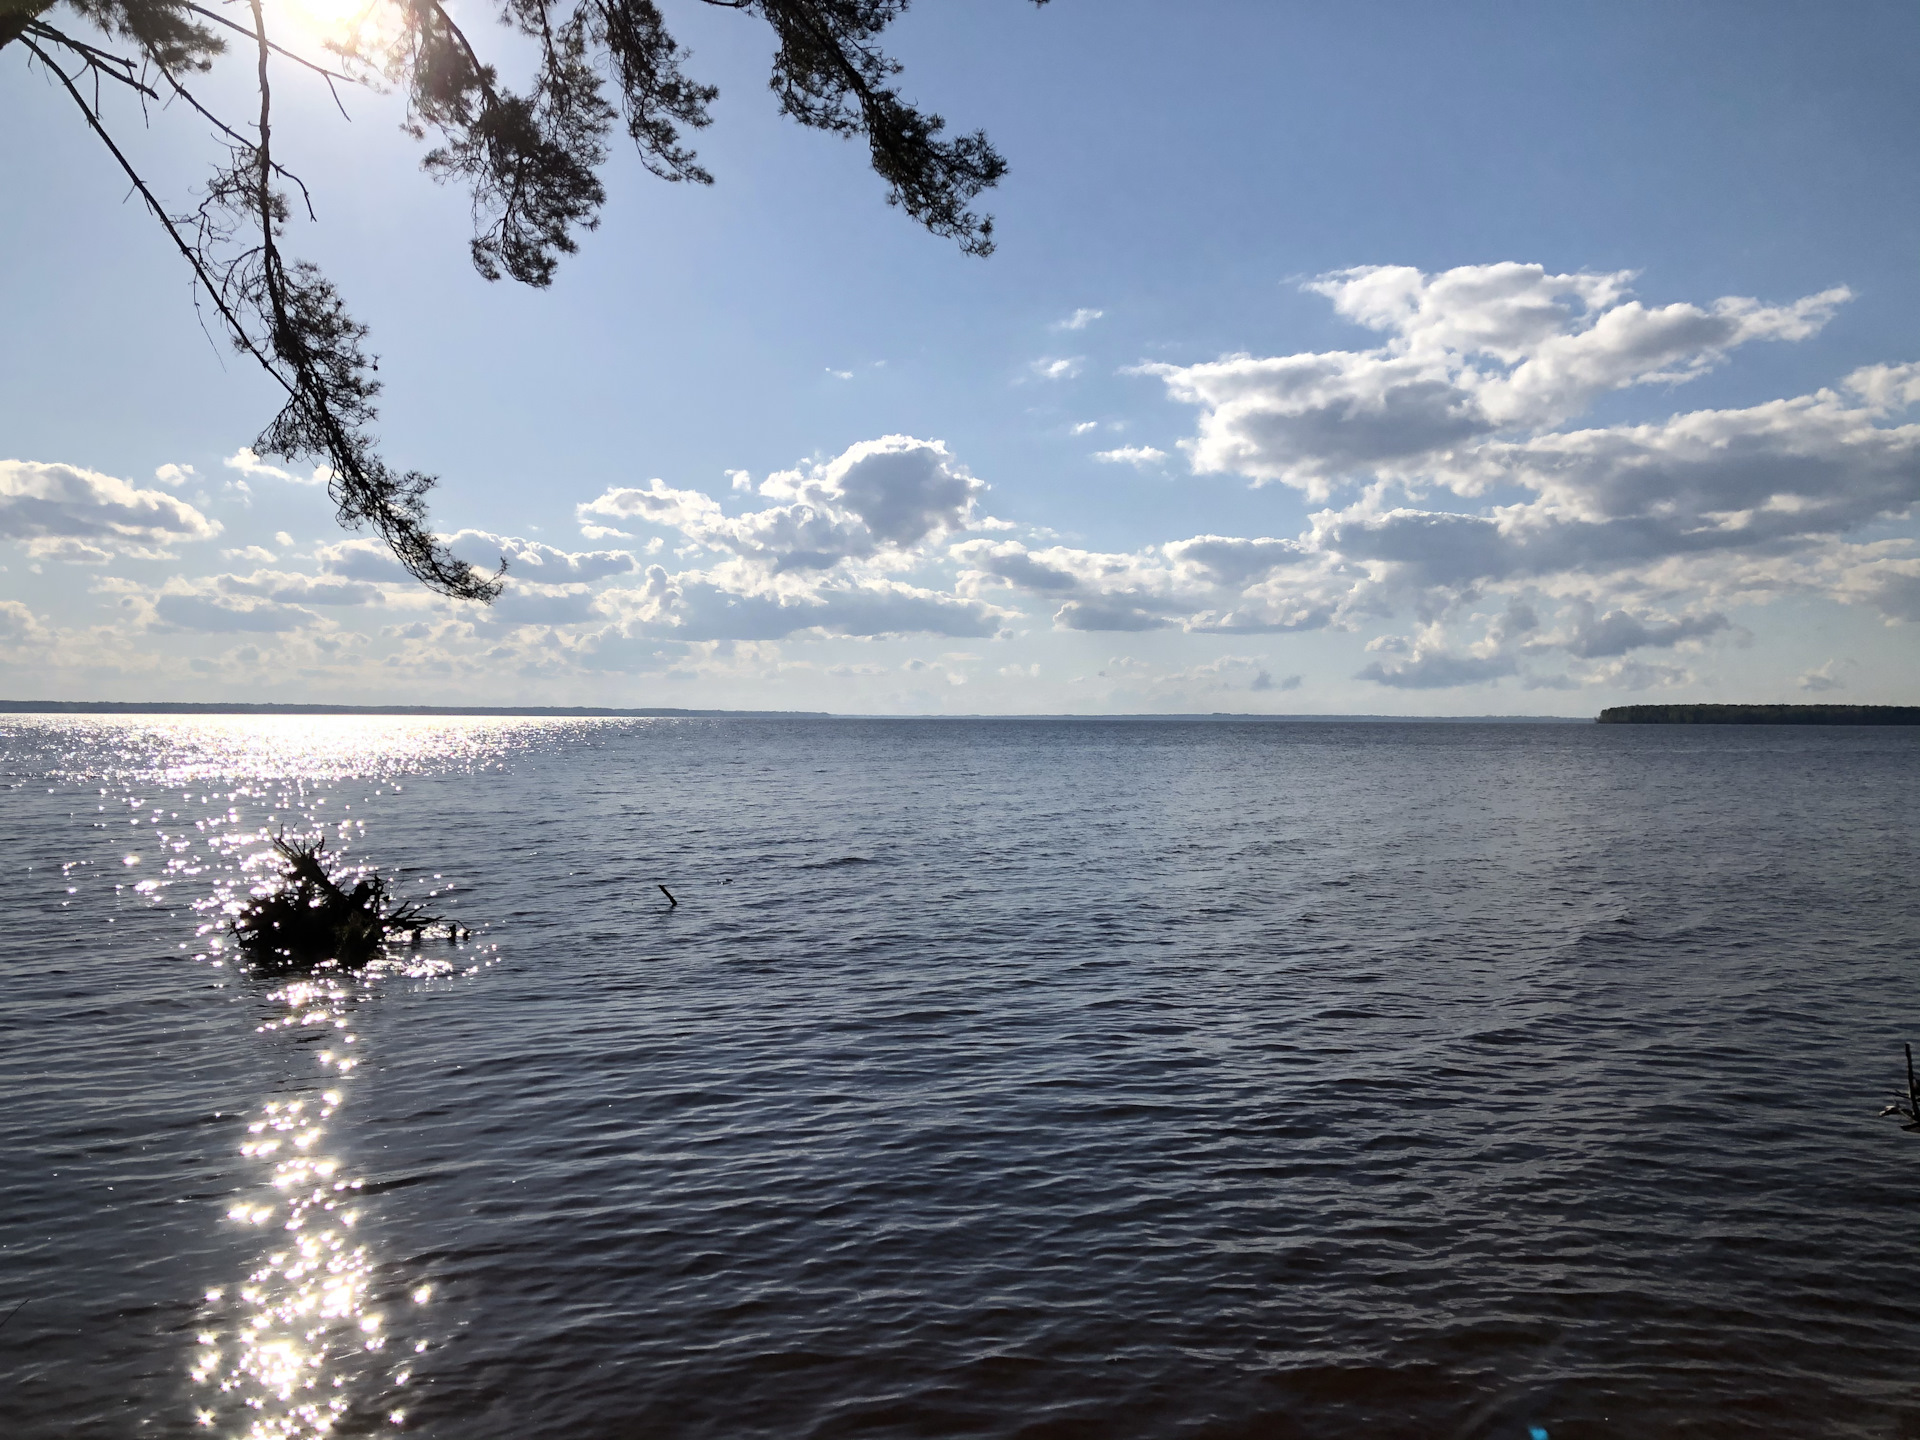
(1044, 1078)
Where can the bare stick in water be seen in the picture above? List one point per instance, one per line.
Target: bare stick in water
(1910, 1112)
(13, 1312)
(676, 905)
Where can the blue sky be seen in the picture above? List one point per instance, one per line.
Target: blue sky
(1561, 356)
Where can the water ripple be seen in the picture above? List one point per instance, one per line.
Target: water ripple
(990, 1078)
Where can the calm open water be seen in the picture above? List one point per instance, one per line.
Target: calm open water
(1048, 1079)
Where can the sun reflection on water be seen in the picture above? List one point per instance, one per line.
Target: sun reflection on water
(315, 1335)
(296, 1347)
(311, 1334)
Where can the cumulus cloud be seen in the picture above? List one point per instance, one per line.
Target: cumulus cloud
(1057, 368)
(65, 548)
(254, 468)
(290, 587)
(1211, 583)
(698, 607)
(813, 560)
(1618, 631)
(1439, 669)
(1469, 353)
(878, 500)
(54, 506)
(535, 561)
(1821, 679)
(1079, 319)
(222, 613)
(360, 560)
(522, 603)
(19, 625)
(1471, 482)
(1140, 455)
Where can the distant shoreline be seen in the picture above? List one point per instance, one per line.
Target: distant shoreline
(1761, 715)
(1617, 715)
(169, 707)
(594, 712)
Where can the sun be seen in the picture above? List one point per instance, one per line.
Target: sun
(332, 22)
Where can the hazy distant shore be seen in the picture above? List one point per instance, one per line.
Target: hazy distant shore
(169, 707)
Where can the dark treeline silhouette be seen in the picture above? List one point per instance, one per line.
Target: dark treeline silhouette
(1761, 715)
(531, 159)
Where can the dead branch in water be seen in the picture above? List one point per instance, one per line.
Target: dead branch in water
(311, 921)
(1911, 1110)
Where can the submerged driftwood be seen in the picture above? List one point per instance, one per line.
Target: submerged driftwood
(311, 921)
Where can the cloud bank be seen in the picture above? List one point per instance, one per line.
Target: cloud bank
(1447, 501)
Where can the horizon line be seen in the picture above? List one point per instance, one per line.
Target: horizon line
(274, 707)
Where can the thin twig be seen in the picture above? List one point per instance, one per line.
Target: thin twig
(240, 336)
(96, 60)
(235, 136)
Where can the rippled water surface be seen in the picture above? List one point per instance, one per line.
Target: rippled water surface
(1050, 1079)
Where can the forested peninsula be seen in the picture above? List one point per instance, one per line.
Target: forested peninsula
(1761, 715)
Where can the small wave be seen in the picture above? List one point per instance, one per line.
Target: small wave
(836, 864)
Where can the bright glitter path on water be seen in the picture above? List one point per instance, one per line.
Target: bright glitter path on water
(290, 1349)
(300, 1343)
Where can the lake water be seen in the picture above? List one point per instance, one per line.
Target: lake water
(1040, 1079)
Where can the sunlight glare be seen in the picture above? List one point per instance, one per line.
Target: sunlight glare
(359, 24)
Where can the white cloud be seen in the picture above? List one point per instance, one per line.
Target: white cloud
(815, 559)
(217, 613)
(67, 549)
(174, 475)
(19, 625)
(361, 560)
(1469, 353)
(1232, 562)
(1439, 669)
(1210, 583)
(1137, 455)
(524, 603)
(53, 505)
(1079, 319)
(1062, 368)
(254, 468)
(535, 561)
(1083, 427)
(259, 554)
(697, 607)
(878, 499)
(1635, 537)
(1618, 631)
(1821, 678)
(290, 587)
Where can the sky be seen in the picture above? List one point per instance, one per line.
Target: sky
(1385, 358)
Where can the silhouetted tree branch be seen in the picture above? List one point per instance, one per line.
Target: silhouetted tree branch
(531, 162)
